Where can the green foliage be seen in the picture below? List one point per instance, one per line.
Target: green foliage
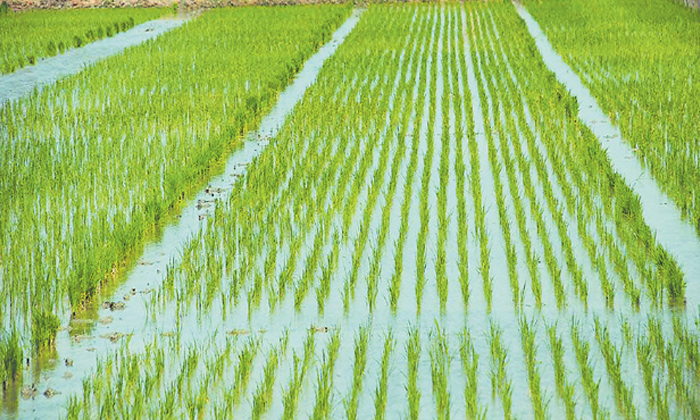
(11, 357)
(33, 34)
(536, 210)
(98, 185)
(639, 60)
(44, 328)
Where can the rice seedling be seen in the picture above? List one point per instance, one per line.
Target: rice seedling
(439, 367)
(640, 94)
(82, 231)
(11, 357)
(31, 35)
(380, 394)
(565, 390)
(612, 356)
(470, 364)
(341, 186)
(263, 394)
(44, 328)
(324, 287)
(242, 372)
(500, 383)
(300, 366)
(359, 365)
(322, 408)
(527, 336)
(413, 351)
(590, 385)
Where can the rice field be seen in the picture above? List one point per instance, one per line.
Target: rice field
(82, 190)
(433, 233)
(639, 62)
(31, 35)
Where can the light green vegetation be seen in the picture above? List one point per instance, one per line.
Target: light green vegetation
(640, 61)
(90, 165)
(432, 234)
(28, 36)
(10, 358)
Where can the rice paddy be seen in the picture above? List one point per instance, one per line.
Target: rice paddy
(28, 36)
(432, 233)
(646, 84)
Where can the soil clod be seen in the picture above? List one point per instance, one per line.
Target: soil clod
(50, 392)
(29, 392)
(113, 306)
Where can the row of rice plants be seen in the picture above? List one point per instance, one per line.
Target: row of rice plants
(651, 261)
(269, 198)
(30, 35)
(83, 189)
(646, 84)
(205, 378)
(310, 207)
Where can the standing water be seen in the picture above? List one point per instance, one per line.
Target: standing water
(661, 214)
(79, 353)
(22, 82)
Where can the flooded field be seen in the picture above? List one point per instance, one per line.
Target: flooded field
(427, 225)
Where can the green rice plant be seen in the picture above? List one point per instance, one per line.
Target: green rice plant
(590, 386)
(359, 365)
(373, 277)
(565, 390)
(242, 371)
(308, 277)
(485, 264)
(11, 357)
(689, 342)
(500, 383)
(470, 364)
(413, 351)
(323, 403)
(656, 399)
(44, 328)
(657, 353)
(381, 390)
(324, 287)
(439, 367)
(684, 391)
(263, 394)
(290, 395)
(30, 35)
(612, 356)
(527, 336)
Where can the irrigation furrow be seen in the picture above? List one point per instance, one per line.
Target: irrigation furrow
(671, 230)
(24, 81)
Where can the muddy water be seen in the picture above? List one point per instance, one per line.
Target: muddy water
(660, 213)
(132, 326)
(22, 82)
